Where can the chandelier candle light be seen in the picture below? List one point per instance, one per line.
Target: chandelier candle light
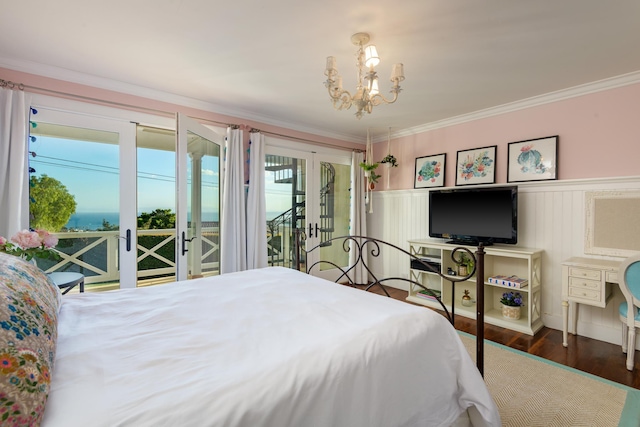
(367, 93)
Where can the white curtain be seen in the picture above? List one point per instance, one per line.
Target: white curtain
(358, 226)
(233, 226)
(256, 205)
(14, 167)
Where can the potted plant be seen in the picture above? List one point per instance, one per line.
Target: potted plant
(368, 168)
(465, 264)
(390, 161)
(511, 303)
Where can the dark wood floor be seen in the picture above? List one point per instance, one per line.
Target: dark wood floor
(595, 357)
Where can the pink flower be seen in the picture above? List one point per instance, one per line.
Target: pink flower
(27, 239)
(3, 241)
(48, 240)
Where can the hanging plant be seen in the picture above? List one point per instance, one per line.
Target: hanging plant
(369, 169)
(390, 161)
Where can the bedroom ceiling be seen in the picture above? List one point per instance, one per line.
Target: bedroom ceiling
(265, 61)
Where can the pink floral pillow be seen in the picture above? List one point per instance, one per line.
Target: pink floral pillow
(28, 332)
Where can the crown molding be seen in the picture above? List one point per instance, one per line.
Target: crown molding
(573, 92)
(144, 92)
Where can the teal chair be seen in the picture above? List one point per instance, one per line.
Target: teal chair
(629, 275)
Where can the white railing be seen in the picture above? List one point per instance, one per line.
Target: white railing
(96, 253)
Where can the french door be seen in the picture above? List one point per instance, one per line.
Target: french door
(198, 169)
(142, 201)
(309, 191)
(85, 166)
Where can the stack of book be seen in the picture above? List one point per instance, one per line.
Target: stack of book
(429, 295)
(509, 281)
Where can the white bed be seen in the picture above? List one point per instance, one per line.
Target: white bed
(267, 347)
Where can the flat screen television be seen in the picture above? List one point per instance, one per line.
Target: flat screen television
(472, 215)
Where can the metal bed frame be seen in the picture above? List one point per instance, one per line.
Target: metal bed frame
(372, 247)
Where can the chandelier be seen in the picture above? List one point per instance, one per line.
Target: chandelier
(367, 93)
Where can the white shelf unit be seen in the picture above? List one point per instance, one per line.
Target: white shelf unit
(498, 260)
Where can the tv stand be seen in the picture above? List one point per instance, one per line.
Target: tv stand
(498, 260)
(468, 243)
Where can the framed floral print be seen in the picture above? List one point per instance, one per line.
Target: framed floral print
(476, 166)
(430, 171)
(533, 160)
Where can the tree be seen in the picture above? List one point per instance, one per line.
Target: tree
(158, 219)
(107, 226)
(51, 203)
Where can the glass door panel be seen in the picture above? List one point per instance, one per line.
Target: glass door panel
(156, 205)
(198, 199)
(335, 198)
(203, 206)
(285, 190)
(76, 194)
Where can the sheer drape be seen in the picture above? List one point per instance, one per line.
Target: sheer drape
(358, 217)
(14, 173)
(233, 237)
(256, 205)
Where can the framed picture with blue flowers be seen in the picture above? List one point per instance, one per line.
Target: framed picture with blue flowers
(476, 166)
(430, 171)
(533, 160)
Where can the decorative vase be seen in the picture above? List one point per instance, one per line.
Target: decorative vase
(466, 299)
(462, 270)
(510, 312)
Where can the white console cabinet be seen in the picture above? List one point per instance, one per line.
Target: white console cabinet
(499, 260)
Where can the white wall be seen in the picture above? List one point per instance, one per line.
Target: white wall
(551, 217)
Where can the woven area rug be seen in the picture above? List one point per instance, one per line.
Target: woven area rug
(531, 391)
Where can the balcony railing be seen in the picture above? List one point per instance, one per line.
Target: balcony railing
(95, 254)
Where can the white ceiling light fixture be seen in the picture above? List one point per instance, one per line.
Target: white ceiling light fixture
(367, 93)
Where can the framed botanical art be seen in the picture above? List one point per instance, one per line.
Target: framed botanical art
(533, 160)
(476, 166)
(430, 171)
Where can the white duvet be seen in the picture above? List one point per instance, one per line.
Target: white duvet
(268, 347)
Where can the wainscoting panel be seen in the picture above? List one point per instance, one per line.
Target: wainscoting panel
(551, 216)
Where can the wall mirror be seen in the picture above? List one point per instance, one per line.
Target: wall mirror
(612, 223)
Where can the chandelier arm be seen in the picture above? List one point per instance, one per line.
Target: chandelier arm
(379, 99)
(341, 99)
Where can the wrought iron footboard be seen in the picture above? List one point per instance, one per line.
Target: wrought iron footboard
(373, 248)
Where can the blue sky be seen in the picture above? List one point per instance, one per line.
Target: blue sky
(90, 172)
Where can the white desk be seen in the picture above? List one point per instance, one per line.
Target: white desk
(585, 281)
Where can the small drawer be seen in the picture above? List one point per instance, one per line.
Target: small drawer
(612, 277)
(586, 273)
(583, 293)
(585, 283)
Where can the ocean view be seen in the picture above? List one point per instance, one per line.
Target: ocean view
(93, 220)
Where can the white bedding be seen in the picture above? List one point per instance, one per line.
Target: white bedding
(269, 347)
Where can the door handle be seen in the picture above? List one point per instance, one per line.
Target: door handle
(184, 242)
(311, 230)
(128, 239)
